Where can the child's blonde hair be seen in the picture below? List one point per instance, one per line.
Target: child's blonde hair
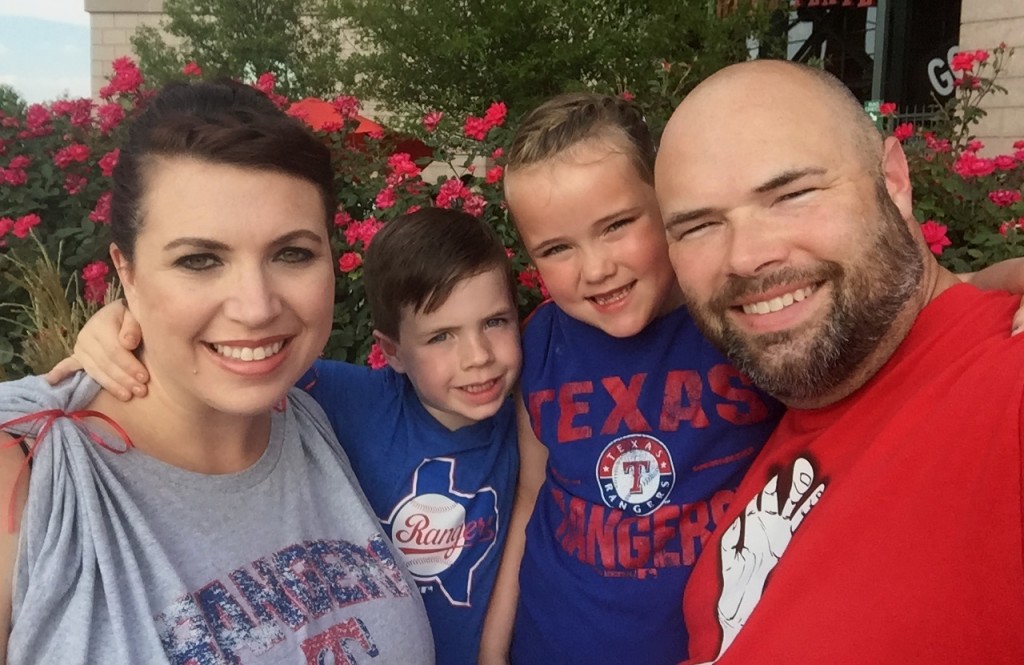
(568, 119)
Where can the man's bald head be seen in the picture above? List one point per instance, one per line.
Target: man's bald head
(768, 93)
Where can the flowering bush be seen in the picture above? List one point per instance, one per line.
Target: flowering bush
(970, 206)
(56, 162)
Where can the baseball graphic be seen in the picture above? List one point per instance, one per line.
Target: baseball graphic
(429, 531)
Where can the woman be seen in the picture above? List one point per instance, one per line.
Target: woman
(215, 520)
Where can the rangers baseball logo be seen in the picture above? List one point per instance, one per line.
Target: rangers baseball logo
(430, 531)
(636, 474)
(444, 533)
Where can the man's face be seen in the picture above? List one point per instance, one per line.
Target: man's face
(791, 255)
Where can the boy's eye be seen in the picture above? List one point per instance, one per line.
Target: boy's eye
(616, 225)
(554, 249)
(198, 262)
(295, 255)
(438, 338)
(496, 322)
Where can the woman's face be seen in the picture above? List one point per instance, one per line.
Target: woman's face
(232, 283)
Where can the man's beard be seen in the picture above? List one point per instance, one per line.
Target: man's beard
(809, 361)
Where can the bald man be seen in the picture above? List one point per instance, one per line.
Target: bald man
(882, 522)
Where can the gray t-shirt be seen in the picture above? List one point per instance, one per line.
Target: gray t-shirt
(125, 559)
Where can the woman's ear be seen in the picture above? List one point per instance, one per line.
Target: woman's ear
(125, 274)
(391, 350)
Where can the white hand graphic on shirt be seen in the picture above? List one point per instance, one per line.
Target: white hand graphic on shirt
(755, 541)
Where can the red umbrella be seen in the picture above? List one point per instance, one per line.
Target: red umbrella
(317, 113)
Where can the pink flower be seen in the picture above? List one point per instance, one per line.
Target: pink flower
(531, 279)
(110, 116)
(20, 162)
(362, 232)
(14, 177)
(411, 209)
(94, 271)
(401, 166)
(1018, 144)
(76, 152)
(903, 131)
(342, 219)
(963, 61)
(1004, 198)
(385, 198)
(1019, 155)
(474, 204)
(95, 276)
(476, 128)
(935, 236)
(109, 161)
(936, 145)
(981, 56)
(431, 120)
(73, 183)
(77, 111)
(6, 224)
(376, 359)
(969, 165)
(101, 213)
(37, 122)
(887, 108)
(498, 153)
(1005, 163)
(450, 190)
(494, 175)
(192, 69)
(347, 106)
(24, 225)
(127, 79)
(495, 114)
(627, 95)
(349, 261)
(974, 146)
(265, 83)
(1005, 227)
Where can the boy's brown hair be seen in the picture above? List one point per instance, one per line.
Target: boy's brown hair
(568, 119)
(417, 260)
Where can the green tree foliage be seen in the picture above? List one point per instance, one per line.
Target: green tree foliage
(458, 55)
(300, 41)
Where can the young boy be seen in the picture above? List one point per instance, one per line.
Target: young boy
(431, 437)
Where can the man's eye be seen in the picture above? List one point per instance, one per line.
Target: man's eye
(795, 195)
(198, 262)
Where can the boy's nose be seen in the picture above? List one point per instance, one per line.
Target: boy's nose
(597, 264)
(476, 351)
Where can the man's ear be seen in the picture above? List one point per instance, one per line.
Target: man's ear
(125, 273)
(896, 173)
(390, 348)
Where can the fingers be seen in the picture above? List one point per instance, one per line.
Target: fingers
(63, 370)
(1018, 320)
(130, 334)
(803, 493)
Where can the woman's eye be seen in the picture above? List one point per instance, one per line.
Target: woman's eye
(198, 262)
(295, 255)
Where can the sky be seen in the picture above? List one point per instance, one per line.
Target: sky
(44, 48)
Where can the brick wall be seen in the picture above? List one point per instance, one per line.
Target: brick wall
(983, 25)
(112, 23)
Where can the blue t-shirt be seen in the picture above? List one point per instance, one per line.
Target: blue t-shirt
(647, 439)
(443, 497)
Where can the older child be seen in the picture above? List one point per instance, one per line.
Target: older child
(634, 430)
(431, 437)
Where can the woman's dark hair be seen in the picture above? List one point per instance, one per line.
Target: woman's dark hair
(223, 123)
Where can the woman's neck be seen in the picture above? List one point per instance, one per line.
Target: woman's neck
(195, 439)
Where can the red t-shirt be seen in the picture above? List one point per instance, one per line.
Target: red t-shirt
(910, 549)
